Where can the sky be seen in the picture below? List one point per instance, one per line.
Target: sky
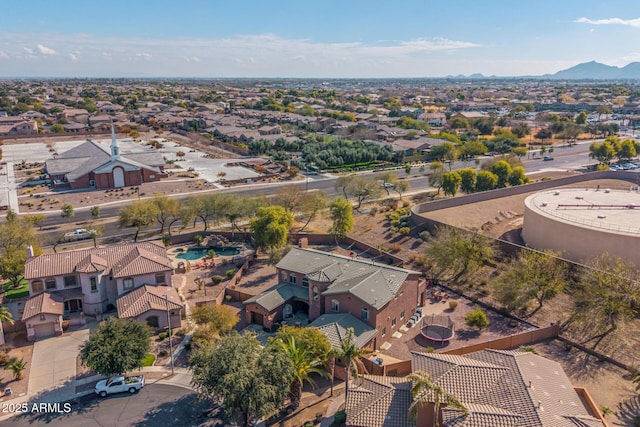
(312, 39)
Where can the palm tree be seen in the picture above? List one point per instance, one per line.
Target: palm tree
(425, 392)
(5, 315)
(350, 354)
(16, 366)
(304, 364)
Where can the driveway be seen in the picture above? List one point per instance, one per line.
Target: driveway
(53, 363)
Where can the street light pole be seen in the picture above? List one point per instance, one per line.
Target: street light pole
(166, 299)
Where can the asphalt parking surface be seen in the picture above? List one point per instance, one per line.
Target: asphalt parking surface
(156, 405)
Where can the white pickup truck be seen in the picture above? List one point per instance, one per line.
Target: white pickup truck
(119, 384)
(79, 234)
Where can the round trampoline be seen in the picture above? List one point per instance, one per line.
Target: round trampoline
(437, 328)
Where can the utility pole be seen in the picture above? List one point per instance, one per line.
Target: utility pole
(166, 299)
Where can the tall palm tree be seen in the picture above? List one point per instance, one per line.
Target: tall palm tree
(304, 364)
(425, 392)
(5, 315)
(350, 354)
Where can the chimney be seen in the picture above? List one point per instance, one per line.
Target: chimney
(30, 252)
(303, 243)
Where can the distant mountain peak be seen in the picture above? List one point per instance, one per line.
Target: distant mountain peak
(598, 71)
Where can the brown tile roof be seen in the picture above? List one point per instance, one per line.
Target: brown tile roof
(145, 298)
(43, 303)
(379, 401)
(120, 260)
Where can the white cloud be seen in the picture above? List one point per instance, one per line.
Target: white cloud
(107, 56)
(73, 57)
(144, 55)
(4, 55)
(45, 50)
(28, 50)
(193, 59)
(610, 21)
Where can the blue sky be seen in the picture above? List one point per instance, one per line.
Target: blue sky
(277, 38)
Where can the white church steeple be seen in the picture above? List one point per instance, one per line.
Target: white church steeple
(115, 148)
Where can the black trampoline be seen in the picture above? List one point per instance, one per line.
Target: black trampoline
(437, 328)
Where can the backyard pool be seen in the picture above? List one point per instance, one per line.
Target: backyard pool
(194, 253)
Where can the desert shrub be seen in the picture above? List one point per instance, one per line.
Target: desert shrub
(405, 230)
(163, 353)
(162, 336)
(477, 318)
(395, 248)
(394, 229)
(373, 211)
(229, 273)
(453, 304)
(216, 279)
(405, 204)
(424, 235)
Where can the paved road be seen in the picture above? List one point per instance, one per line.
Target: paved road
(155, 405)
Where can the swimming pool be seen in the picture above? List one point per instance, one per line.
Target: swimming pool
(194, 253)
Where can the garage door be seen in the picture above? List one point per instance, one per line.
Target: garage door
(258, 318)
(44, 330)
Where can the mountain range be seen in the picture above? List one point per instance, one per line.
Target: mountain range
(586, 71)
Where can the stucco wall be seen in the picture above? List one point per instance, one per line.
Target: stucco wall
(48, 318)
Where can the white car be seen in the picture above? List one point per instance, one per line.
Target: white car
(119, 384)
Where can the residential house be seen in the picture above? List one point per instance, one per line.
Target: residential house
(316, 283)
(90, 165)
(270, 130)
(18, 126)
(94, 281)
(110, 108)
(497, 387)
(434, 119)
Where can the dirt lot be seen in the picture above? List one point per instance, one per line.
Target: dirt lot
(18, 347)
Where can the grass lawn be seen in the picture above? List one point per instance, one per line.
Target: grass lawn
(19, 292)
(148, 360)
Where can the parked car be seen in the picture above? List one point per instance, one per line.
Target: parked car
(547, 158)
(119, 384)
(79, 234)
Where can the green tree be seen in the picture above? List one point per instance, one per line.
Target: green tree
(311, 339)
(304, 364)
(543, 134)
(219, 319)
(401, 187)
(15, 236)
(581, 118)
(518, 176)
(471, 149)
(342, 217)
(57, 128)
(95, 212)
(250, 380)
(426, 392)
(16, 366)
(626, 150)
(459, 123)
(36, 219)
(349, 353)
(486, 180)
(459, 252)
(477, 318)
(521, 130)
(444, 152)
(67, 211)
(270, 227)
(534, 275)
(5, 315)
(116, 346)
(389, 178)
(603, 152)
(450, 183)
(437, 175)
(167, 211)
(608, 296)
(139, 214)
(312, 203)
(467, 180)
(363, 189)
(502, 170)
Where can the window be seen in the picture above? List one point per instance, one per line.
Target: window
(335, 305)
(364, 314)
(37, 286)
(153, 321)
(43, 317)
(393, 322)
(50, 283)
(384, 331)
(292, 278)
(402, 315)
(305, 282)
(70, 281)
(94, 284)
(127, 283)
(284, 276)
(160, 279)
(315, 293)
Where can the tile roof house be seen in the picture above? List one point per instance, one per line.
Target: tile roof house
(90, 281)
(498, 388)
(43, 315)
(149, 304)
(90, 165)
(18, 126)
(317, 283)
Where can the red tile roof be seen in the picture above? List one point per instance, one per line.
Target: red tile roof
(120, 260)
(145, 298)
(44, 303)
